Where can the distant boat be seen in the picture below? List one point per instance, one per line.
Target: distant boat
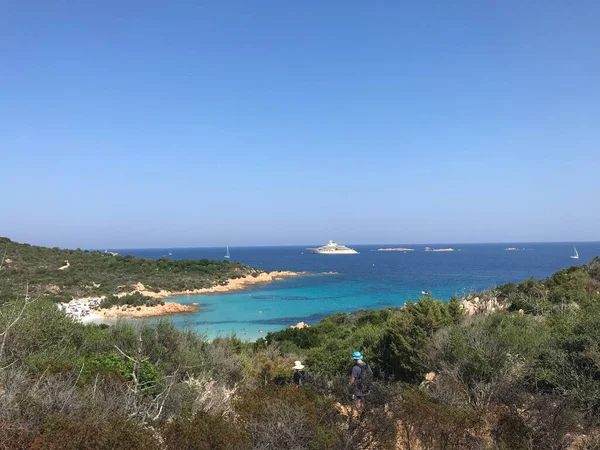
(576, 255)
(227, 255)
(333, 248)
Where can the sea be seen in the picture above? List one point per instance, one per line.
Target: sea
(368, 280)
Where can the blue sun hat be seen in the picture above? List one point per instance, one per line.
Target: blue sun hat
(357, 355)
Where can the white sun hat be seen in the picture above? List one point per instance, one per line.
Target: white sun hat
(298, 365)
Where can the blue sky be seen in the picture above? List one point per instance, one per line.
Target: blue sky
(163, 124)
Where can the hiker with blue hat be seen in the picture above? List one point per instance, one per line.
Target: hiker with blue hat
(360, 379)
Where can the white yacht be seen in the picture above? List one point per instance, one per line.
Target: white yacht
(333, 248)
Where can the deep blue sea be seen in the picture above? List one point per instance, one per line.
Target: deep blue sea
(369, 280)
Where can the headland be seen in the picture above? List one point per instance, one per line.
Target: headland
(93, 284)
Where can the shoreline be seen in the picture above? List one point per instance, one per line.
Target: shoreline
(139, 312)
(85, 309)
(232, 284)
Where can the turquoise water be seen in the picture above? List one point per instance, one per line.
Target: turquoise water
(370, 280)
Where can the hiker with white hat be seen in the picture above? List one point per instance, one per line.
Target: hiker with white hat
(300, 375)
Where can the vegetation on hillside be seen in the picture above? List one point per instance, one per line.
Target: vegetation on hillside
(527, 377)
(135, 299)
(93, 273)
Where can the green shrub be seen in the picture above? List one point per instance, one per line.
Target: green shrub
(407, 336)
(433, 425)
(135, 299)
(115, 364)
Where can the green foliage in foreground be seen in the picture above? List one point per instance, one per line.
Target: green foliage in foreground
(93, 273)
(527, 377)
(394, 340)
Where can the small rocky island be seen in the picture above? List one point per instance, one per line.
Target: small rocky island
(429, 249)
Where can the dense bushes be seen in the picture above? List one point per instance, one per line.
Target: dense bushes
(285, 417)
(204, 431)
(61, 431)
(135, 299)
(427, 423)
(394, 341)
(572, 288)
(527, 377)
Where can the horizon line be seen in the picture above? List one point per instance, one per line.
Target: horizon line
(350, 244)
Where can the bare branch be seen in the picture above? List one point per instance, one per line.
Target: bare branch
(124, 354)
(166, 393)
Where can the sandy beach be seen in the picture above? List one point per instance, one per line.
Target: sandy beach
(85, 309)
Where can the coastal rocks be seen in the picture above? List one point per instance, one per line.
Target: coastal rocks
(468, 307)
(233, 284)
(286, 273)
(88, 309)
(147, 311)
(429, 380)
(143, 290)
(345, 410)
(300, 325)
(483, 305)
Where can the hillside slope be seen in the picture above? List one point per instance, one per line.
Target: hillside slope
(526, 376)
(65, 274)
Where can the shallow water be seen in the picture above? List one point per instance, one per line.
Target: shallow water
(370, 280)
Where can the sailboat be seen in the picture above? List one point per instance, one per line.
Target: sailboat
(576, 255)
(227, 255)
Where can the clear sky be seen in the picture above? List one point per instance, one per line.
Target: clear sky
(186, 123)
